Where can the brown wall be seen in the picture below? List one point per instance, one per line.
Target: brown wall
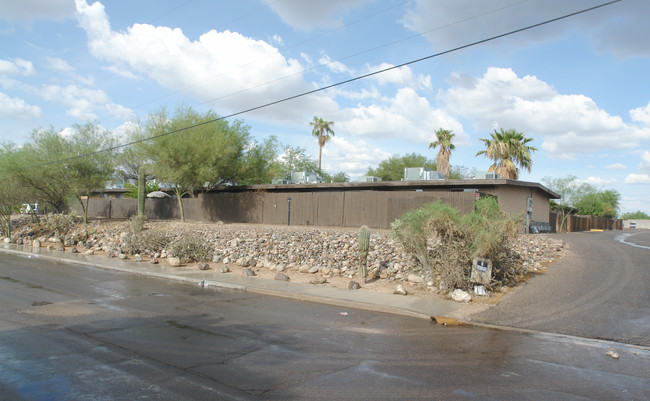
(377, 209)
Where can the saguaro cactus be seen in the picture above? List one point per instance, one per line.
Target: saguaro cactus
(364, 245)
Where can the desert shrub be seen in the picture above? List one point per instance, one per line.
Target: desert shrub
(60, 224)
(191, 248)
(137, 223)
(146, 242)
(444, 242)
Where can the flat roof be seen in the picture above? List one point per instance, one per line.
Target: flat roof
(391, 186)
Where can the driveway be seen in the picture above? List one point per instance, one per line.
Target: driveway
(599, 289)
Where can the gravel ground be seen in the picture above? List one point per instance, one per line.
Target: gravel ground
(324, 255)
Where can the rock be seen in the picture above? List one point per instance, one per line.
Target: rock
(414, 278)
(122, 256)
(36, 243)
(61, 249)
(156, 255)
(226, 260)
(7, 240)
(224, 269)
(304, 268)
(74, 250)
(89, 252)
(613, 355)
(248, 272)
(353, 285)
(174, 262)
(318, 280)
(399, 290)
(459, 295)
(313, 270)
(203, 266)
(154, 261)
(217, 258)
(280, 267)
(138, 258)
(281, 277)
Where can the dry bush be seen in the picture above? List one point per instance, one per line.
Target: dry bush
(191, 248)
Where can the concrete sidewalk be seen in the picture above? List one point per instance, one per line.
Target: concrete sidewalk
(397, 304)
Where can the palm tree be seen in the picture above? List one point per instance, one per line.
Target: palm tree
(508, 149)
(443, 139)
(322, 130)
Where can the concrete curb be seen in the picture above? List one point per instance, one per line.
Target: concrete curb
(215, 284)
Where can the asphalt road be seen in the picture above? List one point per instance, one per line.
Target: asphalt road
(599, 289)
(70, 332)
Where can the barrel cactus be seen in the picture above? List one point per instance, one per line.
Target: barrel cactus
(364, 245)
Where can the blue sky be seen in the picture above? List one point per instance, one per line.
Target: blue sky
(580, 87)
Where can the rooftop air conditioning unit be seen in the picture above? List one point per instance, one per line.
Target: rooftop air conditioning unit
(421, 174)
(487, 176)
(368, 178)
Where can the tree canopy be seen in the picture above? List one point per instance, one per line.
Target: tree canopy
(322, 130)
(444, 143)
(509, 151)
(392, 169)
(638, 215)
(191, 151)
(582, 198)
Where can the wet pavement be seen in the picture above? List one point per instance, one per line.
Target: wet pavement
(79, 332)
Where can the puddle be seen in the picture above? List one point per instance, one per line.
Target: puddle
(622, 239)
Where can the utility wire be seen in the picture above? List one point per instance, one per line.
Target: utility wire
(326, 87)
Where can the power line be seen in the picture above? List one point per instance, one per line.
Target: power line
(344, 82)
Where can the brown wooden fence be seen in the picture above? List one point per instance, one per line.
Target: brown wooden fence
(574, 223)
(377, 209)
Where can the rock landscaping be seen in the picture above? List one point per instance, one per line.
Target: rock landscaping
(318, 255)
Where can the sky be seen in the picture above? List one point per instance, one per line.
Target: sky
(579, 86)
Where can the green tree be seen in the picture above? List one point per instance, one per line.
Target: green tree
(35, 167)
(322, 130)
(392, 169)
(12, 194)
(88, 170)
(508, 149)
(638, 215)
(443, 142)
(600, 203)
(259, 165)
(193, 151)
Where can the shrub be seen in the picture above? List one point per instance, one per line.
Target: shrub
(191, 248)
(60, 224)
(444, 242)
(146, 242)
(137, 223)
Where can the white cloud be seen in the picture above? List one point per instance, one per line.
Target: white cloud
(637, 179)
(351, 157)
(307, 15)
(450, 23)
(407, 116)
(598, 181)
(83, 102)
(59, 64)
(334, 66)
(26, 10)
(17, 109)
(641, 115)
(224, 69)
(616, 166)
(16, 67)
(566, 124)
(402, 76)
(645, 161)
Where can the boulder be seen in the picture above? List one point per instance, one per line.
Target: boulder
(281, 277)
(248, 272)
(203, 266)
(353, 285)
(224, 269)
(459, 295)
(414, 278)
(174, 262)
(318, 280)
(399, 290)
